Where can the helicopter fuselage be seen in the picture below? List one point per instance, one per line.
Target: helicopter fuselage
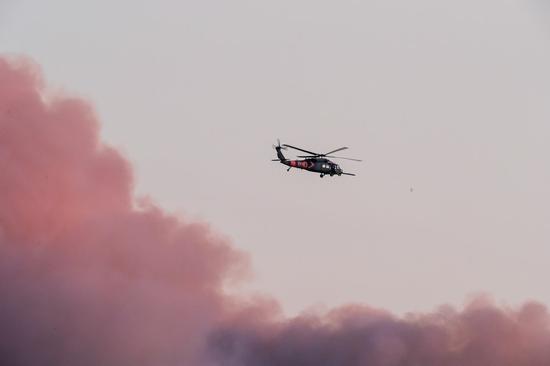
(318, 165)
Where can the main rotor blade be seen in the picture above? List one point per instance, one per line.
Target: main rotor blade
(333, 151)
(341, 157)
(353, 175)
(297, 148)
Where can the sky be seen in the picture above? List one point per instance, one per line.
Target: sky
(449, 98)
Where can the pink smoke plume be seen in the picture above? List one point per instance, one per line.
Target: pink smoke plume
(480, 335)
(89, 277)
(86, 278)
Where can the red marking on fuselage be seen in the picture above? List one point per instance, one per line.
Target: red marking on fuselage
(302, 164)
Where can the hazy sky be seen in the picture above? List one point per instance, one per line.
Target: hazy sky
(448, 97)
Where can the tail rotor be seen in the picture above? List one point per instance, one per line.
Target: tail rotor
(278, 148)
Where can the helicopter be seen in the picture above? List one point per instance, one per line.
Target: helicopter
(313, 162)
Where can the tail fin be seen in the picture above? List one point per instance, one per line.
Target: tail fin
(280, 154)
(278, 147)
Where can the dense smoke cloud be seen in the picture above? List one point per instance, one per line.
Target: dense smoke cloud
(480, 335)
(86, 278)
(89, 277)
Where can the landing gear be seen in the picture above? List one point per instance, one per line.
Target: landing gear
(288, 168)
(322, 175)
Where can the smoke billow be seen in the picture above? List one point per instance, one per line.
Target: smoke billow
(480, 335)
(89, 277)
